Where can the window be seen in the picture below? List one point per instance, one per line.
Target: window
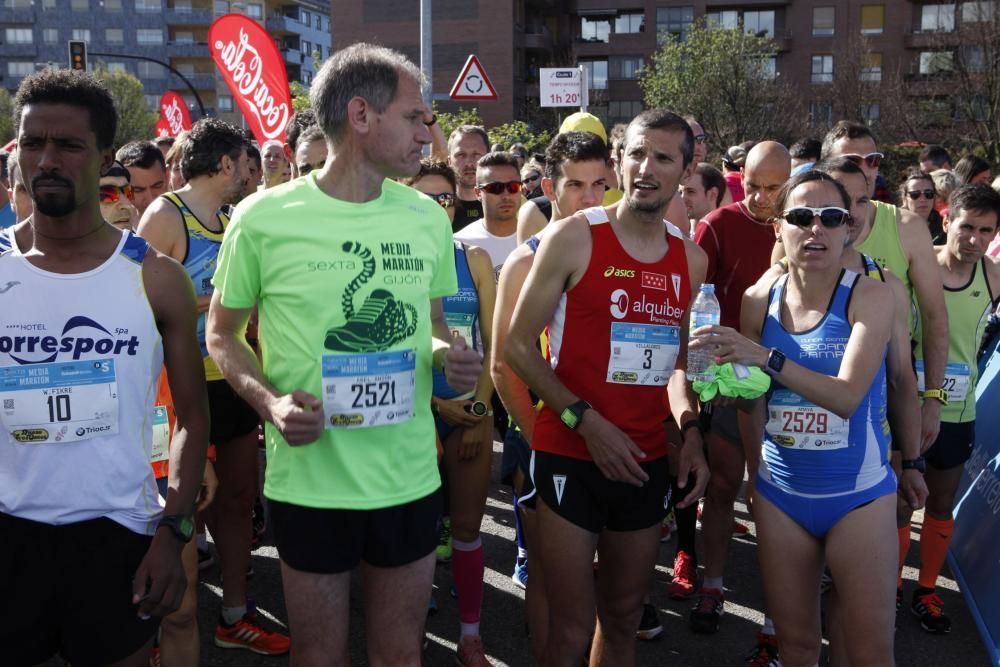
(22, 4)
(872, 19)
(187, 69)
(820, 114)
(81, 34)
(759, 22)
(728, 19)
(306, 18)
(116, 67)
(307, 48)
(18, 68)
(112, 5)
(149, 36)
(936, 62)
(674, 21)
(114, 36)
(871, 112)
(972, 57)
(149, 6)
(221, 7)
(46, 4)
(871, 67)
(153, 102)
(823, 19)
(623, 111)
(79, 5)
(255, 11)
(771, 68)
(822, 69)
(595, 29)
(146, 70)
(630, 23)
(182, 6)
(225, 102)
(624, 67)
(18, 35)
(183, 38)
(597, 73)
(50, 35)
(937, 18)
(976, 12)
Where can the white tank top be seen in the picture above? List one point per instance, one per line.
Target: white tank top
(80, 355)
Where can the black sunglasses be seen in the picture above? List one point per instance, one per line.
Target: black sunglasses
(700, 138)
(498, 187)
(445, 199)
(829, 216)
(873, 159)
(530, 179)
(915, 194)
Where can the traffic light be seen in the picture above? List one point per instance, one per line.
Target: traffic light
(78, 55)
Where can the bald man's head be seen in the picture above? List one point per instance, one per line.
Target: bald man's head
(767, 168)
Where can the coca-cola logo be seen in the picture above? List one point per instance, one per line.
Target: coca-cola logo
(253, 69)
(174, 113)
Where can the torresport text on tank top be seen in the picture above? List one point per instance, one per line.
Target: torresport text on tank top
(77, 345)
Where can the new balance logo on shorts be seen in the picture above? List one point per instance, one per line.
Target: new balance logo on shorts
(559, 482)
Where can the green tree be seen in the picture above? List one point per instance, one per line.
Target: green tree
(519, 131)
(300, 97)
(135, 120)
(723, 78)
(6, 116)
(449, 121)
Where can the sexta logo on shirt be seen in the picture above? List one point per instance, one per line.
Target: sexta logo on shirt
(78, 337)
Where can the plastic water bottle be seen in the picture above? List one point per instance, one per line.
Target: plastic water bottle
(704, 312)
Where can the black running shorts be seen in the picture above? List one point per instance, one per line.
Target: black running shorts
(231, 415)
(953, 446)
(67, 591)
(577, 491)
(330, 541)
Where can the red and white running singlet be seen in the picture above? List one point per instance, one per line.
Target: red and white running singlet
(614, 339)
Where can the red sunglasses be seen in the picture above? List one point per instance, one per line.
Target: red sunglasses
(111, 193)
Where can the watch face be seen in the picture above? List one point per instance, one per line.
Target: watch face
(479, 409)
(187, 527)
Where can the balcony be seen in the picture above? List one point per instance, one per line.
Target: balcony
(538, 38)
(18, 51)
(783, 42)
(199, 81)
(292, 56)
(19, 14)
(185, 17)
(919, 39)
(280, 24)
(188, 50)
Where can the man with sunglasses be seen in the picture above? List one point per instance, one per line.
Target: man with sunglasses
(147, 171)
(117, 207)
(498, 187)
(737, 239)
(900, 242)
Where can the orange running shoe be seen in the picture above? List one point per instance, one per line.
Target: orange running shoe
(248, 634)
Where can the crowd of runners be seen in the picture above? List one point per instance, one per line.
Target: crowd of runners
(375, 319)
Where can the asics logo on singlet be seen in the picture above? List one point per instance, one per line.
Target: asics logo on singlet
(621, 303)
(618, 273)
(70, 342)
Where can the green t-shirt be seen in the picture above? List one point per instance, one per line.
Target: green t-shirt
(344, 294)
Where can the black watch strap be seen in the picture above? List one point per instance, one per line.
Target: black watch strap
(919, 463)
(181, 526)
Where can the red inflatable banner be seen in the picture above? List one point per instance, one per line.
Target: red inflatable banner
(255, 73)
(174, 116)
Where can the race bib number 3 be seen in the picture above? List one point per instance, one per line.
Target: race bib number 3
(642, 354)
(797, 423)
(59, 402)
(364, 390)
(956, 380)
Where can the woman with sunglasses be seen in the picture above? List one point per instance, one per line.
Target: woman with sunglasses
(116, 198)
(824, 491)
(464, 420)
(919, 194)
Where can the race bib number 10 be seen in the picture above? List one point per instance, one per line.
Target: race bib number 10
(364, 390)
(60, 401)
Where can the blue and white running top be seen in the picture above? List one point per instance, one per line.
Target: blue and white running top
(461, 311)
(808, 450)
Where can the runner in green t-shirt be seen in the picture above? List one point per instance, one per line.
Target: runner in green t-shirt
(346, 268)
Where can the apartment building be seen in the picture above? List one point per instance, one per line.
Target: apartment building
(34, 35)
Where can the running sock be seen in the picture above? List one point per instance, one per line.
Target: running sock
(522, 543)
(712, 582)
(231, 615)
(904, 547)
(467, 566)
(768, 627)
(934, 540)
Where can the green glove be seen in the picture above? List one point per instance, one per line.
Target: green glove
(734, 381)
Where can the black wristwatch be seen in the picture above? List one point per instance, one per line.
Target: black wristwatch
(775, 361)
(919, 464)
(182, 526)
(572, 416)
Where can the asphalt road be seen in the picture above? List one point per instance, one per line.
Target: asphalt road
(503, 619)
